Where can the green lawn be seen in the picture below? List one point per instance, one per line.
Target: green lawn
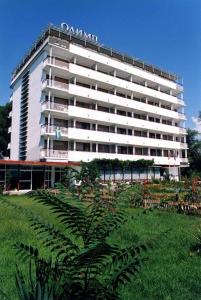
(170, 273)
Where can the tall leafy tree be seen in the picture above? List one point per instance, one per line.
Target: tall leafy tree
(4, 124)
(194, 152)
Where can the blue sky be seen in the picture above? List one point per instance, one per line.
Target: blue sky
(166, 33)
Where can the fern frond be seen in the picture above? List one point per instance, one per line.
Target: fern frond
(71, 216)
(98, 254)
(55, 240)
(124, 274)
(26, 251)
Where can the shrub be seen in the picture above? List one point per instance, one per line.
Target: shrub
(130, 196)
(83, 265)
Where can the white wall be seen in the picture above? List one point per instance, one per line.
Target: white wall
(34, 110)
(15, 125)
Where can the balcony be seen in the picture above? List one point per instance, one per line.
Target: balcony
(57, 62)
(88, 156)
(109, 118)
(123, 139)
(53, 129)
(9, 145)
(51, 83)
(122, 84)
(104, 97)
(54, 106)
(181, 116)
(9, 129)
(51, 153)
(183, 145)
(184, 161)
(118, 65)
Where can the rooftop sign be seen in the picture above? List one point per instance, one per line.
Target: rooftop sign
(79, 32)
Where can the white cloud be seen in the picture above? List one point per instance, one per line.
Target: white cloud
(197, 124)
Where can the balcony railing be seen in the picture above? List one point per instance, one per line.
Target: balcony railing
(127, 78)
(181, 115)
(54, 153)
(183, 145)
(55, 83)
(55, 106)
(57, 62)
(184, 160)
(54, 129)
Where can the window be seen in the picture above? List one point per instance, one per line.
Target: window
(138, 151)
(121, 112)
(129, 131)
(152, 135)
(151, 119)
(103, 108)
(83, 125)
(103, 148)
(83, 147)
(121, 130)
(103, 128)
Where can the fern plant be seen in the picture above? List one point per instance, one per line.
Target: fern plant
(83, 264)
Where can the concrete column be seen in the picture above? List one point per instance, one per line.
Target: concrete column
(48, 146)
(50, 76)
(49, 98)
(48, 122)
(116, 149)
(50, 54)
(52, 176)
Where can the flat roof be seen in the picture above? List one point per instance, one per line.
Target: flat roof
(58, 32)
(37, 163)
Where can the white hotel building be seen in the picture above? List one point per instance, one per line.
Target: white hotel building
(75, 100)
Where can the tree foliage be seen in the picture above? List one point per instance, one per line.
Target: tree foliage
(4, 124)
(83, 264)
(194, 151)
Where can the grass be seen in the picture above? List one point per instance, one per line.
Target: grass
(170, 273)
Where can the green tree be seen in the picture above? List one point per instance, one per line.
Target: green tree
(4, 124)
(194, 152)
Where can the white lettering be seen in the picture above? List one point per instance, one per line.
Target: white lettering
(64, 26)
(79, 32)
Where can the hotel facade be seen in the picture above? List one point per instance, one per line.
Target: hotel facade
(75, 100)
